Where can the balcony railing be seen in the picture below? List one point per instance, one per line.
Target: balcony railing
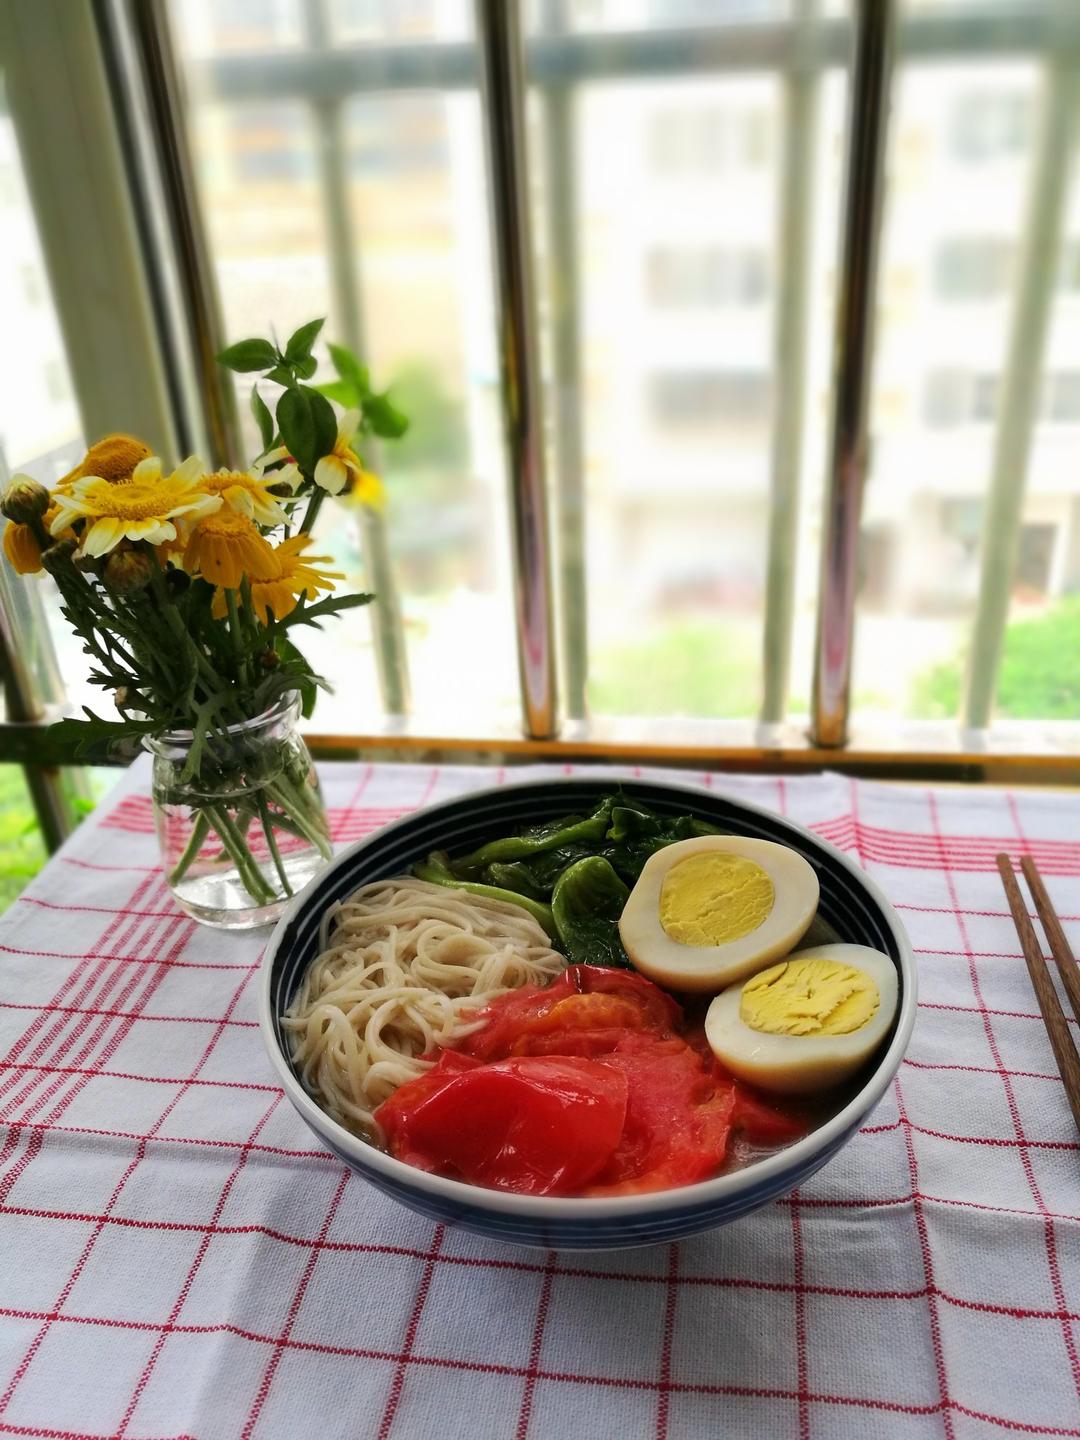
(546, 510)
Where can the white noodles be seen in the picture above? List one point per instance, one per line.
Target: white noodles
(406, 964)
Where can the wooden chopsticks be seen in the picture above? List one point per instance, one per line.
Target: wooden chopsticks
(1068, 1061)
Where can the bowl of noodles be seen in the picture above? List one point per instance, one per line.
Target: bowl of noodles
(569, 1014)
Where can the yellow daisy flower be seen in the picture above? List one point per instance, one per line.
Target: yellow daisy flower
(367, 489)
(246, 494)
(21, 548)
(142, 508)
(113, 458)
(287, 474)
(295, 575)
(226, 546)
(343, 469)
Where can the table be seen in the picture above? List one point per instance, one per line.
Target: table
(179, 1258)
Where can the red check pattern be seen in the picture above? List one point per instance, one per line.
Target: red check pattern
(178, 1258)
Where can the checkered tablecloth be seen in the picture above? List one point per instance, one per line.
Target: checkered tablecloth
(178, 1257)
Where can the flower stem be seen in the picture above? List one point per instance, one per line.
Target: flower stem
(188, 646)
(238, 637)
(199, 832)
(285, 794)
(268, 831)
(255, 882)
(312, 511)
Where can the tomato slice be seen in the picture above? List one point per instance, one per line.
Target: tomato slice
(678, 1119)
(584, 997)
(536, 1125)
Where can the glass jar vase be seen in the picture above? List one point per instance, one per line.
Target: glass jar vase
(239, 817)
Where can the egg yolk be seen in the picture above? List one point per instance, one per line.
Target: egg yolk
(809, 997)
(712, 898)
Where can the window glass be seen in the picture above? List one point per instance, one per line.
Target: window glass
(675, 266)
(960, 163)
(319, 186)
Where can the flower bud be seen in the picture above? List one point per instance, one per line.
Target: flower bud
(126, 572)
(113, 458)
(24, 500)
(57, 556)
(176, 580)
(21, 549)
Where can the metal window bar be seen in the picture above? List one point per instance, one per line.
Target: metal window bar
(1025, 28)
(504, 125)
(864, 190)
(1038, 270)
(796, 200)
(568, 418)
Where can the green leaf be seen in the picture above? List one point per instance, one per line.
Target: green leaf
(339, 391)
(305, 367)
(310, 614)
(263, 418)
(349, 368)
(308, 425)
(248, 355)
(385, 418)
(301, 340)
(326, 424)
(201, 723)
(281, 375)
(95, 738)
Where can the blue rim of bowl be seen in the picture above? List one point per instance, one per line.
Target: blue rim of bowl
(793, 1157)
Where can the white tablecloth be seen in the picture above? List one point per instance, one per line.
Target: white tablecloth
(179, 1258)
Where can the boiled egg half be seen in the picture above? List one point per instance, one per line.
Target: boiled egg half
(807, 1023)
(712, 910)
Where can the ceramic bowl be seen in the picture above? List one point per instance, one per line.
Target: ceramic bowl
(851, 903)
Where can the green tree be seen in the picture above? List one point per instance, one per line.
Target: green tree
(1040, 670)
(436, 437)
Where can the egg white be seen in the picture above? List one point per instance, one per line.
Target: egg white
(706, 968)
(801, 1064)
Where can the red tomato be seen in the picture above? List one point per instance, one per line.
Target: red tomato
(584, 1087)
(584, 997)
(678, 1118)
(534, 1125)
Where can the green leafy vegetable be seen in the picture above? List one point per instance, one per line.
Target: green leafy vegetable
(581, 864)
(436, 870)
(567, 831)
(636, 833)
(586, 904)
